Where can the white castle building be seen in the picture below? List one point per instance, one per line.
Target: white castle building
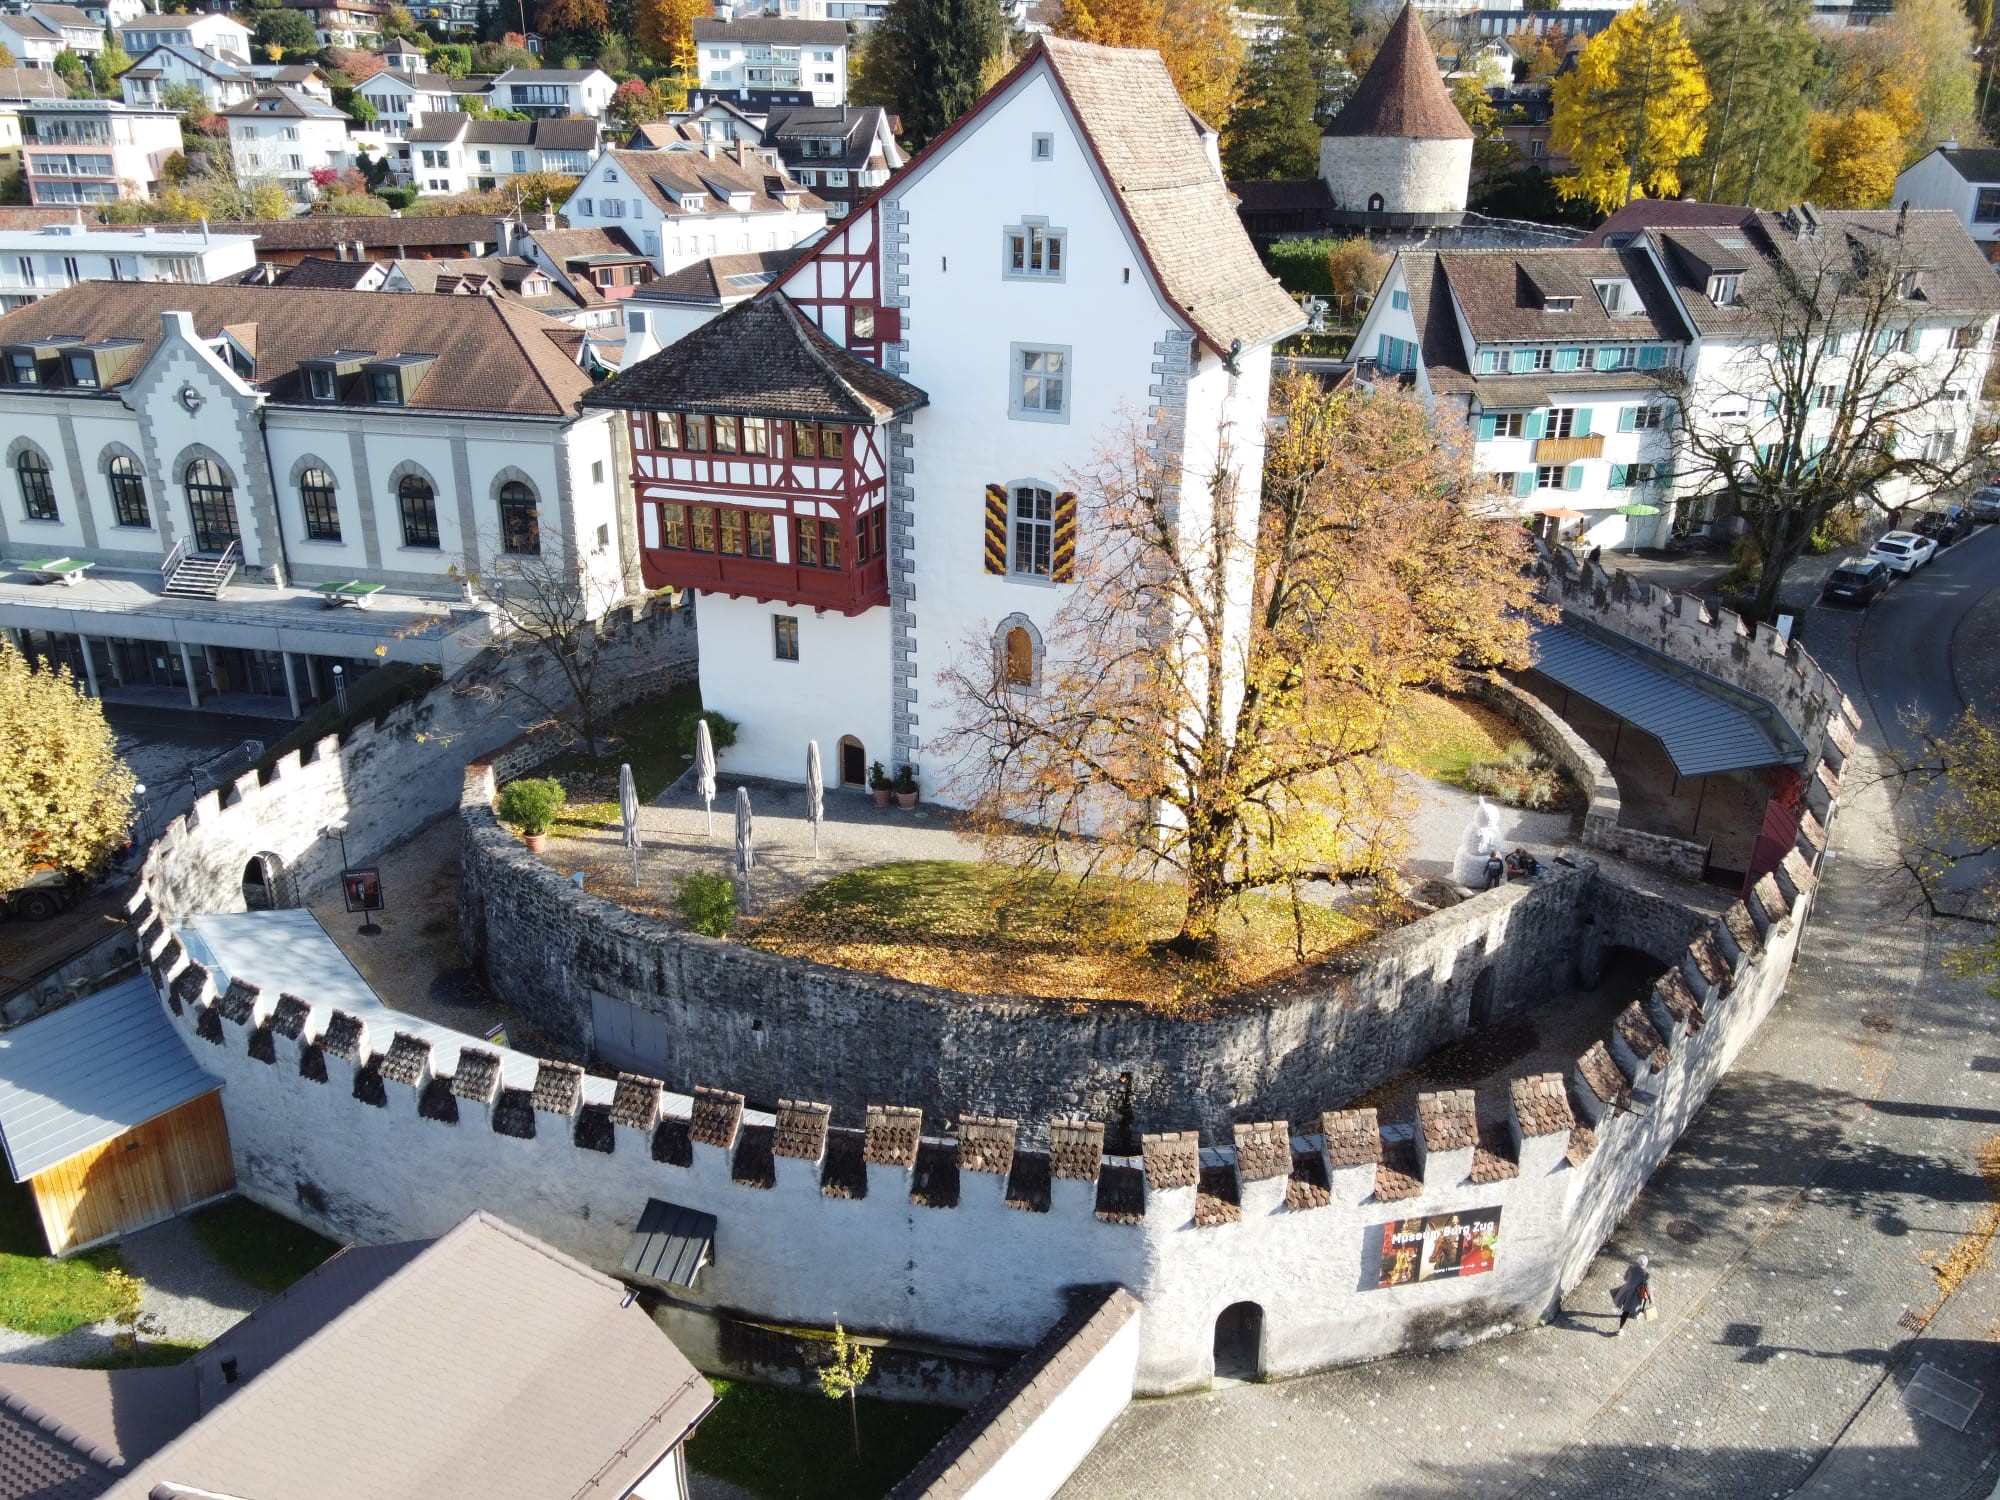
(875, 462)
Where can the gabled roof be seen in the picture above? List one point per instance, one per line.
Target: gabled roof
(491, 355)
(664, 175)
(1644, 213)
(282, 103)
(858, 128)
(550, 75)
(1973, 163)
(319, 274)
(30, 26)
(772, 29)
(762, 358)
(66, 15)
(1402, 94)
(721, 278)
(194, 57)
(179, 21)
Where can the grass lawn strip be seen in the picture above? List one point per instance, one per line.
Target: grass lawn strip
(796, 1444)
(657, 740)
(1440, 737)
(260, 1248)
(42, 1295)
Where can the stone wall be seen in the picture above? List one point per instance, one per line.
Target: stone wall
(770, 1025)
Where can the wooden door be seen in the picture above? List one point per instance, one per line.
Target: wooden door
(149, 1173)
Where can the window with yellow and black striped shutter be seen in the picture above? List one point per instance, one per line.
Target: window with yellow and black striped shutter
(1064, 569)
(996, 528)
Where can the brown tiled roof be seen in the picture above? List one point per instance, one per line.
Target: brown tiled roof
(282, 103)
(762, 358)
(1743, 929)
(892, 1131)
(708, 280)
(1402, 94)
(1582, 1142)
(239, 1001)
(561, 245)
(1121, 1194)
(208, 1026)
(716, 1115)
(1797, 871)
(666, 176)
(1492, 1154)
(986, 1144)
(67, 1434)
(752, 1165)
(1447, 1118)
(1215, 1198)
(490, 356)
(1648, 213)
(327, 275)
(772, 29)
(1601, 1074)
(342, 1037)
(1020, 1398)
(370, 231)
(1353, 1137)
(1307, 1187)
(288, 1019)
(1541, 1104)
(406, 1059)
(1263, 1150)
(34, 83)
(1173, 1159)
(802, 1126)
(1706, 954)
(476, 1074)
(558, 1087)
(1154, 153)
(1772, 900)
(1678, 1000)
(1397, 1175)
(934, 1178)
(1077, 1147)
(1504, 293)
(844, 1173)
(636, 1101)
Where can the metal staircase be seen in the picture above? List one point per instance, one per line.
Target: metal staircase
(190, 575)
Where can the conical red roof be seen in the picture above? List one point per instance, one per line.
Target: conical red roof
(1402, 94)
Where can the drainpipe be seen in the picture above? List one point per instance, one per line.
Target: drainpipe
(282, 569)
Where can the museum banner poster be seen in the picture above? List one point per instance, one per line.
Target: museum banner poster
(1438, 1247)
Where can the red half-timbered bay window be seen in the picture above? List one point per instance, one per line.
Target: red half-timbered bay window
(760, 460)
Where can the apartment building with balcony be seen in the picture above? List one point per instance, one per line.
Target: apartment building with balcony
(773, 59)
(454, 153)
(554, 93)
(841, 154)
(215, 32)
(342, 23)
(403, 100)
(222, 82)
(286, 136)
(84, 151)
(38, 263)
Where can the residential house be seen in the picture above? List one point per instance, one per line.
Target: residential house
(813, 472)
(305, 77)
(597, 267)
(683, 206)
(286, 242)
(79, 32)
(521, 279)
(238, 442)
(38, 263)
(221, 81)
(342, 23)
(860, 14)
(95, 150)
(416, 1389)
(554, 93)
(109, 15)
(405, 99)
(1963, 181)
(214, 32)
(761, 56)
(1526, 118)
(1567, 364)
(841, 154)
(454, 153)
(285, 135)
(670, 307)
(33, 42)
(403, 56)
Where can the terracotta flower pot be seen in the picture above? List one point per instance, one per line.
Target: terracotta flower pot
(881, 796)
(536, 842)
(906, 800)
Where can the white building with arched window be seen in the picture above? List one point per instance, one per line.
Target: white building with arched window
(248, 446)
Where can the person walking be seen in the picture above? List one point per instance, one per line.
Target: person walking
(1638, 1300)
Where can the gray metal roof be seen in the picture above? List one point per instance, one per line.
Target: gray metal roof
(90, 1072)
(1706, 724)
(671, 1244)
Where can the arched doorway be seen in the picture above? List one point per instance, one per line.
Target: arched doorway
(264, 886)
(211, 497)
(1239, 1342)
(853, 762)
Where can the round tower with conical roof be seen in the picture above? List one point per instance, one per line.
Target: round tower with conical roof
(1400, 146)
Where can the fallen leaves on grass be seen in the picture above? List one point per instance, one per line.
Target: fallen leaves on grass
(1439, 736)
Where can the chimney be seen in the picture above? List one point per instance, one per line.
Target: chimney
(708, 147)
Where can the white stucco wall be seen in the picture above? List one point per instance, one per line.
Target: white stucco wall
(1413, 177)
(1044, 1456)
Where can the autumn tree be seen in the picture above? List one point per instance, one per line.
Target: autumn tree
(633, 103)
(105, 67)
(1329, 27)
(551, 606)
(1632, 112)
(1218, 688)
(1949, 781)
(397, 21)
(1760, 59)
(1929, 43)
(1197, 39)
(1355, 268)
(65, 796)
(7, 56)
(1843, 389)
(572, 17)
(929, 60)
(1274, 132)
(665, 30)
(1491, 150)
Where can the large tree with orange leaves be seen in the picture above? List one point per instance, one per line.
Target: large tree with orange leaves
(665, 31)
(1197, 39)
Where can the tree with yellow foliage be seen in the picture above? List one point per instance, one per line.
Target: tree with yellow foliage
(1633, 110)
(1856, 157)
(65, 796)
(665, 31)
(1197, 39)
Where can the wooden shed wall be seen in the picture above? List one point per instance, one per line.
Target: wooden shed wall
(149, 1173)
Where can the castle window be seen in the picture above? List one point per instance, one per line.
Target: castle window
(1376, 203)
(1034, 251)
(38, 495)
(1032, 531)
(1041, 384)
(418, 502)
(128, 492)
(520, 522)
(785, 637)
(321, 512)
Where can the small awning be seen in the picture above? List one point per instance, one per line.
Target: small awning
(1707, 725)
(670, 1246)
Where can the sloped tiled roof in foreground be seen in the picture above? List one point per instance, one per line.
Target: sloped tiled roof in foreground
(762, 358)
(1153, 152)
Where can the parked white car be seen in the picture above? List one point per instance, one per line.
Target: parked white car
(1903, 551)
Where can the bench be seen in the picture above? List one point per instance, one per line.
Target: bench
(353, 592)
(64, 570)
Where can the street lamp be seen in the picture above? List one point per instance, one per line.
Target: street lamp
(139, 791)
(340, 691)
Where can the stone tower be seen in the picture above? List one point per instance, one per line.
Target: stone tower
(1400, 146)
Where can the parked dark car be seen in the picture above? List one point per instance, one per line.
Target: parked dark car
(46, 893)
(1856, 581)
(1944, 525)
(1986, 504)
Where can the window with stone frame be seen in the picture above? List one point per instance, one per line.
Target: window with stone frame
(322, 511)
(38, 494)
(128, 493)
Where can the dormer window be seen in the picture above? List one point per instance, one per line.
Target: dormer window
(694, 203)
(1616, 296)
(394, 381)
(21, 367)
(385, 387)
(1908, 286)
(83, 371)
(1558, 304)
(320, 384)
(1722, 290)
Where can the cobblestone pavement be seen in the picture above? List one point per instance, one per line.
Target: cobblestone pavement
(1792, 1236)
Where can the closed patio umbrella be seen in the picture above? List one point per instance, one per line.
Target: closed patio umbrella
(746, 854)
(628, 815)
(815, 793)
(704, 771)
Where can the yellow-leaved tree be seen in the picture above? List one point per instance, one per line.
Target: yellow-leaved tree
(665, 31)
(65, 796)
(1856, 156)
(1632, 111)
(1196, 39)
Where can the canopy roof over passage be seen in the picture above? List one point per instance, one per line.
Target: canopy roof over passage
(1707, 725)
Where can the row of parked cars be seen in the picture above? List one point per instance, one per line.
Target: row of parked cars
(1859, 580)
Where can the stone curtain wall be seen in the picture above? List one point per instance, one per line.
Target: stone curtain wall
(973, 1237)
(771, 1026)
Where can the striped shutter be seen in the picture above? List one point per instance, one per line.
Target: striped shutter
(996, 528)
(1063, 569)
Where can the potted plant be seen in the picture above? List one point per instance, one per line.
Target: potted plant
(906, 786)
(531, 805)
(879, 783)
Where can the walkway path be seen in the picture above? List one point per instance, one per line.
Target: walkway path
(1792, 1237)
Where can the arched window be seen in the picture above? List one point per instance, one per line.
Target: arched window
(38, 495)
(211, 505)
(420, 513)
(128, 492)
(1033, 516)
(520, 526)
(1019, 653)
(322, 510)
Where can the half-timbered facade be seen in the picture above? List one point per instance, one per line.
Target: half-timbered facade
(1059, 273)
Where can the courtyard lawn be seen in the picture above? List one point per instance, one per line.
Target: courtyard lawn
(260, 1248)
(39, 1294)
(1439, 737)
(656, 737)
(797, 1445)
(989, 929)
